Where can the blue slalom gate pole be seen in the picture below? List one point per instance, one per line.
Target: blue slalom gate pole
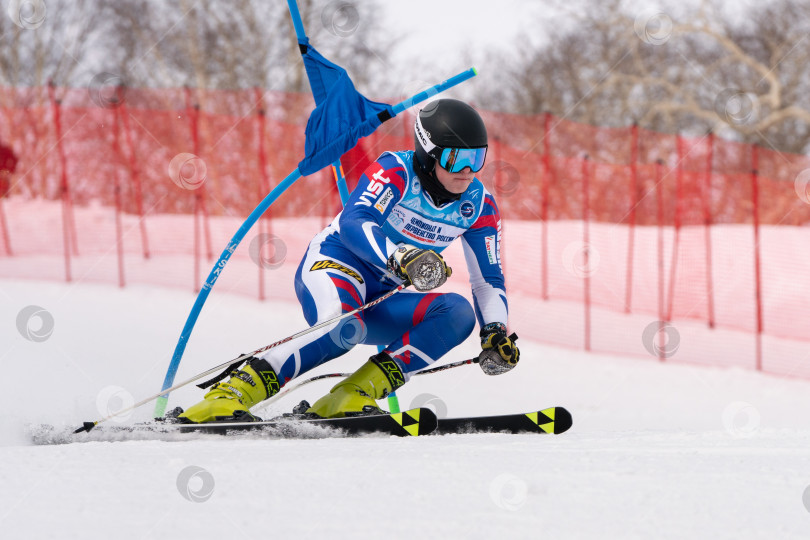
(337, 167)
(298, 24)
(433, 90)
(219, 266)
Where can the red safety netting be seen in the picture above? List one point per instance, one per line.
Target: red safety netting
(607, 229)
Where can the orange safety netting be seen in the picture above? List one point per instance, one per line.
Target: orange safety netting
(617, 220)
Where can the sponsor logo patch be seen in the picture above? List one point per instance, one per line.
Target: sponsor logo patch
(491, 249)
(376, 185)
(332, 265)
(467, 209)
(385, 198)
(396, 218)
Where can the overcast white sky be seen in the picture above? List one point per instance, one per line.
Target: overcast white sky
(455, 27)
(449, 36)
(440, 38)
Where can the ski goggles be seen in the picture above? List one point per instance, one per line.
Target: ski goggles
(456, 159)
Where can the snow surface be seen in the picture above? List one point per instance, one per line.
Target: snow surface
(657, 450)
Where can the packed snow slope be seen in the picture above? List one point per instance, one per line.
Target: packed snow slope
(656, 451)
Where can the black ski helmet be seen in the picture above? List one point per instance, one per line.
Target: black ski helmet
(446, 123)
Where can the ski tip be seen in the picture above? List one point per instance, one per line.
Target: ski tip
(86, 426)
(562, 420)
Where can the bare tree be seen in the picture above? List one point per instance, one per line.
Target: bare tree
(234, 44)
(42, 42)
(674, 70)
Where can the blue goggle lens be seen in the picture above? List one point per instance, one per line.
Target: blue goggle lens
(456, 159)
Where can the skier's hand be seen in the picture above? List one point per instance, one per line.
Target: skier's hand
(500, 353)
(424, 268)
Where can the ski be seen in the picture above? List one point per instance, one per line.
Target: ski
(554, 420)
(410, 423)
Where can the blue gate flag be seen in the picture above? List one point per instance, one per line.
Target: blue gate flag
(342, 115)
(321, 73)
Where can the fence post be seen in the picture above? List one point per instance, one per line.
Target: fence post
(707, 222)
(545, 188)
(4, 229)
(631, 233)
(68, 233)
(757, 257)
(264, 182)
(659, 195)
(676, 240)
(135, 177)
(119, 237)
(200, 209)
(586, 241)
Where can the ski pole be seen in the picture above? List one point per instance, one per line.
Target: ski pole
(87, 426)
(298, 385)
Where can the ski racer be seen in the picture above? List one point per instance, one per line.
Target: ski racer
(408, 206)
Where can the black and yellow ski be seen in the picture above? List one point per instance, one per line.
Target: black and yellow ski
(409, 423)
(553, 420)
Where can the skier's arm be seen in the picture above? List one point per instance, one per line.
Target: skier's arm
(379, 189)
(482, 250)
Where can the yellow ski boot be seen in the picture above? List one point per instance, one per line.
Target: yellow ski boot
(231, 401)
(357, 394)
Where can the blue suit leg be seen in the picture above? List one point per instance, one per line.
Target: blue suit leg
(419, 328)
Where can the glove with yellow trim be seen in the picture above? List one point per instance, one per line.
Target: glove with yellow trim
(500, 353)
(424, 268)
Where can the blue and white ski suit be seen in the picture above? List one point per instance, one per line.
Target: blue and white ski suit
(345, 267)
